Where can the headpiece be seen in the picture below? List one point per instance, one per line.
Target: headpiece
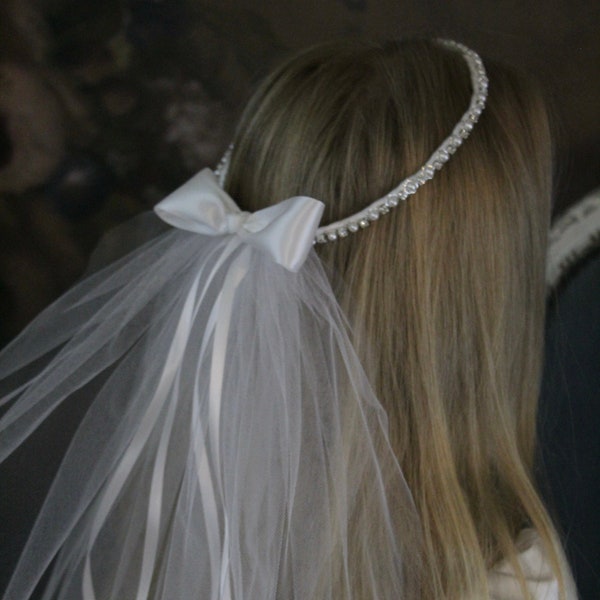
(233, 447)
(573, 237)
(361, 220)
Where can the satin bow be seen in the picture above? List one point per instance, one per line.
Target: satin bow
(285, 230)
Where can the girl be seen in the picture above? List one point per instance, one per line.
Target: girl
(247, 443)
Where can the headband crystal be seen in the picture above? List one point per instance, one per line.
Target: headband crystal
(361, 220)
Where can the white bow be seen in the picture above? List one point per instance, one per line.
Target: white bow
(285, 230)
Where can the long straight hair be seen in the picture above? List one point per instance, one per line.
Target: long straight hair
(445, 295)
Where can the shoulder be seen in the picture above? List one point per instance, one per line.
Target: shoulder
(541, 580)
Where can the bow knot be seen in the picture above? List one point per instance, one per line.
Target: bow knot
(285, 230)
(234, 222)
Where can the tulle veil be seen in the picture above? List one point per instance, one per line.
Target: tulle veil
(232, 448)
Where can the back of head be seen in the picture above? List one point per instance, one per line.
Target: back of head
(445, 294)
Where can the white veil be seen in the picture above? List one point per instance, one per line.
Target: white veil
(233, 448)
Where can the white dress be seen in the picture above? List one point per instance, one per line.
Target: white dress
(542, 583)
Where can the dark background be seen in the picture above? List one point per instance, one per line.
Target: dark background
(106, 106)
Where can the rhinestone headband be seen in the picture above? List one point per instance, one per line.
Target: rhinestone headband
(362, 220)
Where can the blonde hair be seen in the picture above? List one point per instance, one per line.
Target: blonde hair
(445, 294)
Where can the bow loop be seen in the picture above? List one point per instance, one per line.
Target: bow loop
(285, 230)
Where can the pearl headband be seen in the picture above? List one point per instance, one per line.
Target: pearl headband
(361, 220)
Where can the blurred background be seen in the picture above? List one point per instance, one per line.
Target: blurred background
(107, 106)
